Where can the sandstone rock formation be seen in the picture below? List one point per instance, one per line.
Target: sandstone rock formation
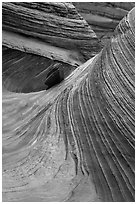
(57, 24)
(54, 31)
(75, 141)
(103, 16)
(23, 72)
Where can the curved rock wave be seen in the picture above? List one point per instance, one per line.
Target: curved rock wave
(103, 16)
(58, 24)
(75, 142)
(42, 38)
(23, 72)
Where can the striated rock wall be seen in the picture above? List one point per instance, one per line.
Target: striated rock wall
(25, 72)
(53, 34)
(58, 24)
(103, 16)
(75, 142)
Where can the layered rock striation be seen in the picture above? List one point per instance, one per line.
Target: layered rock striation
(75, 142)
(57, 24)
(103, 16)
(40, 38)
(25, 72)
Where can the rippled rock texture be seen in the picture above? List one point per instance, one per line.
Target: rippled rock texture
(56, 37)
(57, 24)
(75, 141)
(103, 16)
(23, 72)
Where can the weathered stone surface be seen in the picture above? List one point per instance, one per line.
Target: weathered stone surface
(103, 16)
(75, 142)
(24, 72)
(53, 30)
(37, 47)
(58, 24)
